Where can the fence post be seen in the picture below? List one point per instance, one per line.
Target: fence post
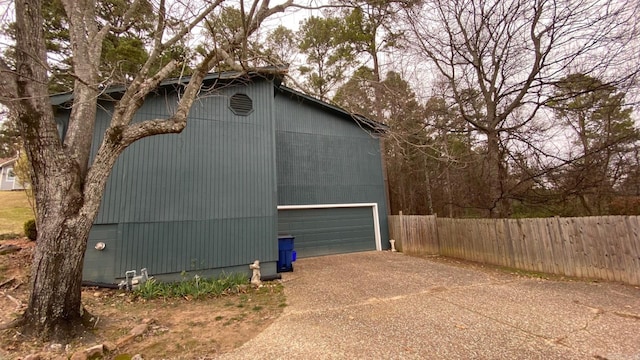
(436, 232)
(402, 247)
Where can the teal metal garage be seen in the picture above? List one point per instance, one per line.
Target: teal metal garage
(255, 155)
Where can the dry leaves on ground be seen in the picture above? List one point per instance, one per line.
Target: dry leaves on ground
(177, 328)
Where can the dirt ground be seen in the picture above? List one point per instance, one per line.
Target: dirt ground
(179, 328)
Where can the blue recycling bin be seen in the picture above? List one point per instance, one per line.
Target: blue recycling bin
(286, 254)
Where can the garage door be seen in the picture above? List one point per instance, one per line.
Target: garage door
(328, 231)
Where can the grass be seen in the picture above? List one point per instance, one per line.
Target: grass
(14, 211)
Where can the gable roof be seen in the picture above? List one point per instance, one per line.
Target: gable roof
(7, 161)
(273, 73)
(112, 93)
(358, 118)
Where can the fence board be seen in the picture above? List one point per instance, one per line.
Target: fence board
(580, 251)
(621, 256)
(606, 247)
(612, 262)
(467, 234)
(514, 239)
(633, 249)
(532, 246)
(634, 245)
(489, 244)
(566, 238)
(414, 234)
(557, 247)
(595, 259)
(500, 256)
(547, 228)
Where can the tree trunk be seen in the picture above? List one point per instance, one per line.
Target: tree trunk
(63, 224)
(385, 173)
(498, 203)
(55, 309)
(68, 189)
(428, 187)
(449, 192)
(54, 304)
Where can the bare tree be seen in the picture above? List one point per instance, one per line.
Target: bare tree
(68, 189)
(501, 58)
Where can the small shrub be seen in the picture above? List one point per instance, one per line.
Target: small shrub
(30, 230)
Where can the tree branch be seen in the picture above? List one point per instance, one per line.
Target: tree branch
(8, 83)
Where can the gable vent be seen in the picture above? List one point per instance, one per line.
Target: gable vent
(241, 104)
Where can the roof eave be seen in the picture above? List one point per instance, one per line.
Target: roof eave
(360, 119)
(274, 73)
(8, 162)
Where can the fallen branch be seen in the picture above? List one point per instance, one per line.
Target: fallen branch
(16, 301)
(7, 282)
(8, 249)
(13, 324)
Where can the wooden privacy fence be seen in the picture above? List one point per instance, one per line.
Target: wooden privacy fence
(604, 247)
(415, 234)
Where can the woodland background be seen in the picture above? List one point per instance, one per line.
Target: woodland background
(505, 109)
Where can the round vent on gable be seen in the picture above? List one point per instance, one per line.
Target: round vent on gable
(241, 104)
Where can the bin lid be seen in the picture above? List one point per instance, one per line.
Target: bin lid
(285, 236)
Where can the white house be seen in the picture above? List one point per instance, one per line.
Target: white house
(8, 178)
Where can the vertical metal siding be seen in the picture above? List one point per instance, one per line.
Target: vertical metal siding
(99, 265)
(200, 199)
(173, 247)
(326, 159)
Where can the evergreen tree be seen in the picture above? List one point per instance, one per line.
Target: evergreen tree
(326, 62)
(603, 136)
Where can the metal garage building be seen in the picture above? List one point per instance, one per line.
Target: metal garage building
(256, 159)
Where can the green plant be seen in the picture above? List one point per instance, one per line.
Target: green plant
(30, 230)
(150, 289)
(195, 288)
(123, 357)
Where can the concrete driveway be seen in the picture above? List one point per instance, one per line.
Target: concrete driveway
(382, 305)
